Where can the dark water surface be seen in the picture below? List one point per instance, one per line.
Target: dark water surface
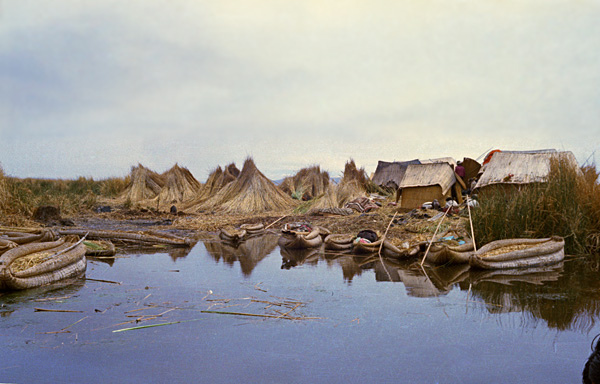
(377, 322)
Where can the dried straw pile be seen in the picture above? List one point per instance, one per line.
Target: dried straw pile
(307, 184)
(145, 184)
(180, 186)
(251, 192)
(217, 179)
(352, 185)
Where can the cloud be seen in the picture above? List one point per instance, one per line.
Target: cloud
(291, 83)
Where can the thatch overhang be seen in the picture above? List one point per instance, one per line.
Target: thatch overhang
(520, 168)
(390, 174)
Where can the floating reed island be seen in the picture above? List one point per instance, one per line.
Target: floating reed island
(475, 206)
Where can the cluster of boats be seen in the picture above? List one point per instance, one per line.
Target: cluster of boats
(31, 258)
(501, 254)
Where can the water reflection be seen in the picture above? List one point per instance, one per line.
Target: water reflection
(63, 288)
(294, 257)
(248, 253)
(564, 296)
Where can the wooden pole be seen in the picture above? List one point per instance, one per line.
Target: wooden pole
(433, 237)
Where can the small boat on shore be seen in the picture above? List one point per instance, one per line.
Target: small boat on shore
(519, 253)
(99, 248)
(300, 237)
(448, 253)
(339, 242)
(36, 264)
(232, 235)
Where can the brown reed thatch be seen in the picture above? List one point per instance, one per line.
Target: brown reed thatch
(180, 186)
(251, 192)
(390, 175)
(145, 184)
(307, 184)
(426, 182)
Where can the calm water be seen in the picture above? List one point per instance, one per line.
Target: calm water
(376, 322)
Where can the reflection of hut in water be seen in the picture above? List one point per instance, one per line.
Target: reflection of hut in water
(350, 268)
(562, 300)
(248, 253)
(294, 257)
(418, 284)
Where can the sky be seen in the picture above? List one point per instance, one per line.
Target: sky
(92, 88)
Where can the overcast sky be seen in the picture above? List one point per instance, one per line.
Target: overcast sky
(90, 88)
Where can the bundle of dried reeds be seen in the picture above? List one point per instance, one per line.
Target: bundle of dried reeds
(180, 186)
(251, 192)
(145, 184)
(307, 184)
(217, 179)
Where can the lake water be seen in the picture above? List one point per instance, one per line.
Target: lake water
(333, 319)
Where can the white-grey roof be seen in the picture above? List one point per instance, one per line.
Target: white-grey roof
(521, 167)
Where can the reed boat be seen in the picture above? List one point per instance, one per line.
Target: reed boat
(232, 235)
(99, 248)
(300, 237)
(339, 242)
(448, 253)
(387, 249)
(253, 229)
(36, 264)
(519, 253)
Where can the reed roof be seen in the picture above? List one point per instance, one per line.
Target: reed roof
(387, 173)
(521, 167)
(425, 175)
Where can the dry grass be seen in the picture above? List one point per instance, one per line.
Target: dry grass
(145, 184)
(26, 262)
(251, 192)
(307, 184)
(180, 186)
(217, 179)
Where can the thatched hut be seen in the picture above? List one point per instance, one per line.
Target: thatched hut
(389, 175)
(472, 168)
(307, 184)
(426, 182)
(145, 184)
(180, 186)
(513, 170)
(251, 192)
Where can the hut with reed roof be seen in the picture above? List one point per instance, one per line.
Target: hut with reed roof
(510, 170)
(180, 186)
(251, 192)
(307, 184)
(426, 182)
(145, 184)
(389, 175)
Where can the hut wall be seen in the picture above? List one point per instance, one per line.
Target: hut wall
(414, 197)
